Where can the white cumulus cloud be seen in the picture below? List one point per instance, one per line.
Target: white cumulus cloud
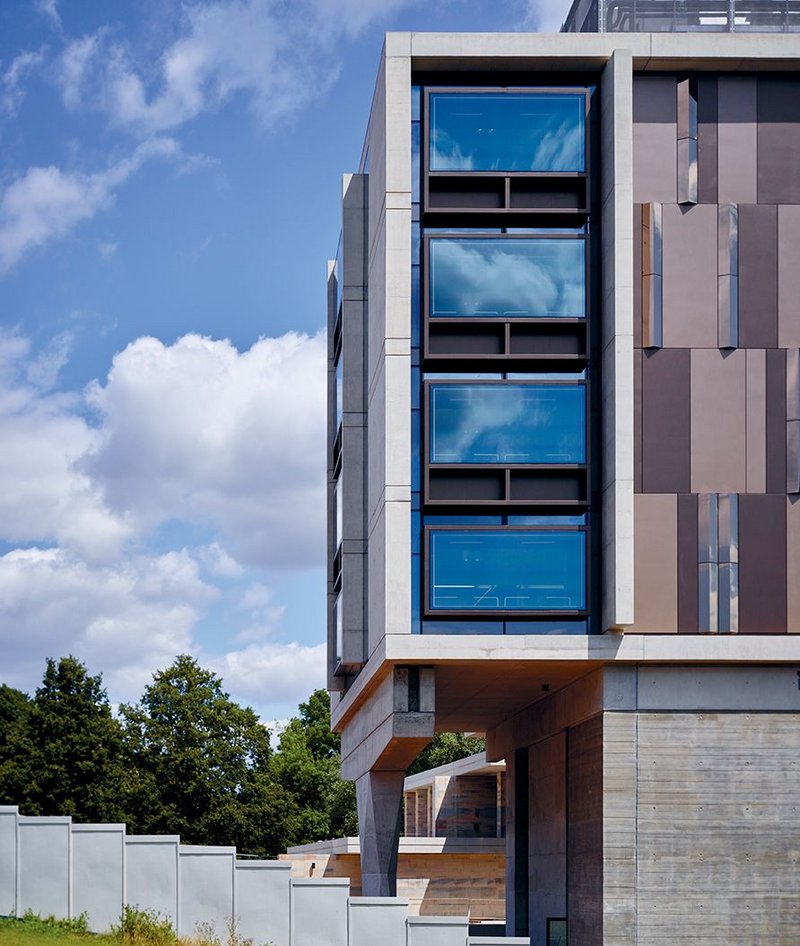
(12, 91)
(273, 674)
(200, 432)
(46, 203)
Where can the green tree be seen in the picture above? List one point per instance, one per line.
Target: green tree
(446, 747)
(307, 766)
(200, 764)
(63, 750)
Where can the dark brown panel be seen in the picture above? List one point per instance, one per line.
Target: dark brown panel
(778, 140)
(637, 420)
(637, 275)
(687, 564)
(655, 99)
(758, 276)
(762, 564)
(776, 421)
(707, 139)
(666, 421)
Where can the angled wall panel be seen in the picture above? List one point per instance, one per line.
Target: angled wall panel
(776, 421)
(789, 276)
(655, 142)
(687, 564)
(762, 564)
(666, 421)
(758, 276)
(778, 140)
(737, 140)
(793, 564)
(756, 420)
(718, 422)
(690, 276)
(656, 570)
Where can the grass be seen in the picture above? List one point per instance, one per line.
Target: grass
(135, 928)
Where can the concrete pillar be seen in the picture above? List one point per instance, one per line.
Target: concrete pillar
(379, 798)
(517, 843)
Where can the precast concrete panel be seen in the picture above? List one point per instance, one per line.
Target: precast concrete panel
(320, 911)
(8, 859)
(44, 866)
(98, 878)
(263, 901)
(376, 920)
(152, 874)
(436, 930)
(205, 885)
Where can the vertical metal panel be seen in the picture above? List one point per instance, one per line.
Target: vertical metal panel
(687, 140)
(708, 528)
(758, 276)
(776, 421)
(728, 276)
(707, 158)
(687, 564)
(778, 140)
(718, 422)
(737, 140)
(793, 564)
(707, 579)
(637, 420)
(789, 276)
(656, 567)
(690, 276)
(666, 421)
(652, 271)
(728, 542)
(654, 139)
(793, 420)
(756, 420)
(762, 564)
(638, 272)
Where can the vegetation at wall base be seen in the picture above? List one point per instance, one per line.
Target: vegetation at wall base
(185, 759)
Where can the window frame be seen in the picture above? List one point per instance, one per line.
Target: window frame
(539, 505)
(428, 612)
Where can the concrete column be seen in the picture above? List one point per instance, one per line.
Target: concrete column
(517, 843)
(379, 796)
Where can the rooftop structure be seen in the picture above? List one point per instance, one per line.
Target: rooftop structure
(683, 16)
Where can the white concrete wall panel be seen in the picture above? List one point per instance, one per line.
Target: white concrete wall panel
(319, 912)
(8, 859)
(205, 882)
(263, 890)
(44, 866)
(377, 920)
(436, 930)
(617, 339)
(152, 874)
(98, 873)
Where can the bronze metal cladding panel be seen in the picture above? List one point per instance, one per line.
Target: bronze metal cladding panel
(756, 421)
(758, 276)
(707, 157)
(778, 140)
(718, 422)
(776, 421)
(655, 543)
(666, 421)
(655, 139)
(637, 419)
(762, 564)
(789, 276)
(687, 564)
(793, 563)
(737, 140)
(690, 276)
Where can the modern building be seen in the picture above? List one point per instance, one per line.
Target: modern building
(564, 468)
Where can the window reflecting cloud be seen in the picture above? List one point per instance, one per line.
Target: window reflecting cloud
(507, 278)
(482, 423)
(507, 132)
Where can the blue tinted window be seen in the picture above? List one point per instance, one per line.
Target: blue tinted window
(507, 423)
(511, 278)
(507, 131)
(507, 570)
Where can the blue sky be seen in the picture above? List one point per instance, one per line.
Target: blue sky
(169, 184)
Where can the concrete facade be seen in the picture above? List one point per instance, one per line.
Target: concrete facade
(690, 667)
